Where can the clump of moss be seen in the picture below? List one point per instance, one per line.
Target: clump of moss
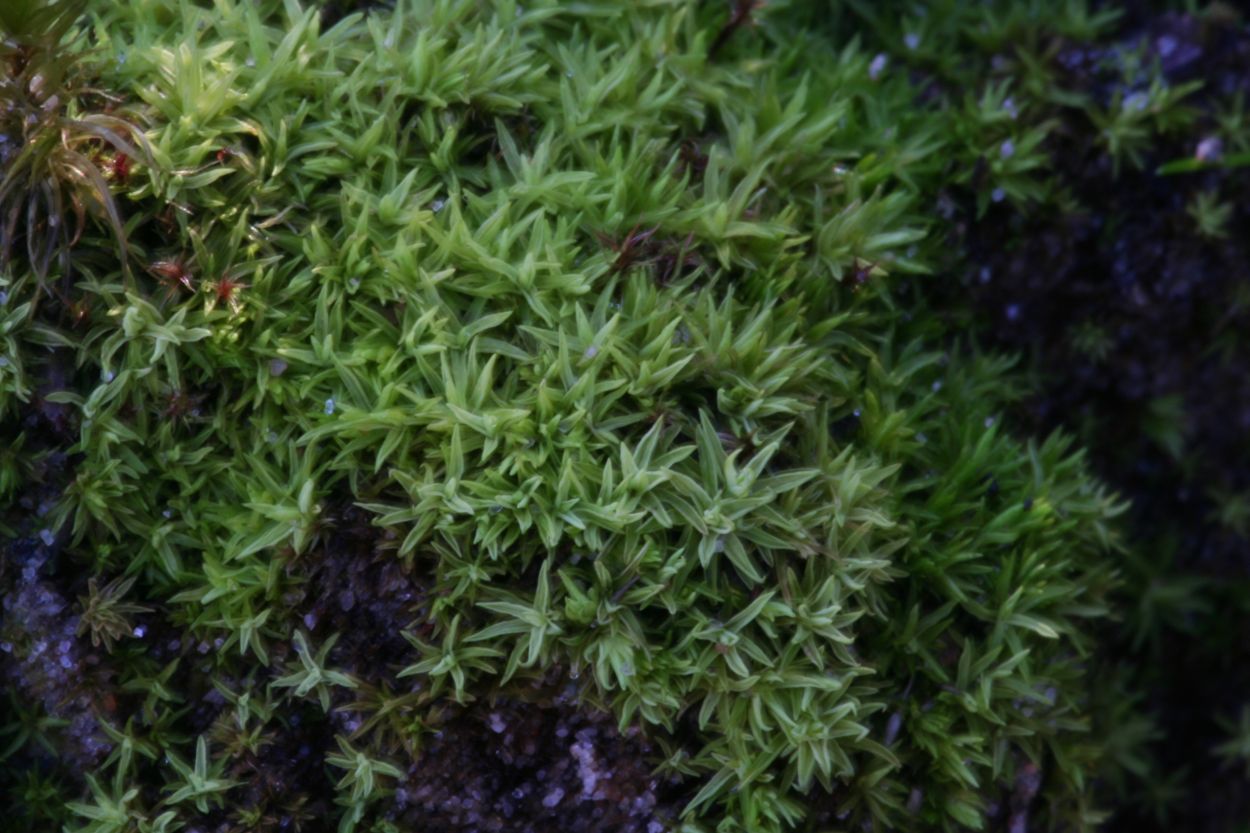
(486, 345)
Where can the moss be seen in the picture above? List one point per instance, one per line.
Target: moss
(545, 364)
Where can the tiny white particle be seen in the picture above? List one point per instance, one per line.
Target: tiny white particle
(568, 73)
(592, 351)
(109, 375)
(437, 205)
(354, 282)
(892, 728)
(140, 631)
(272, 436)
(330, 406)
(1209, 149)
(250, 62)
(877, 65)
(168, 513)
(912, 40)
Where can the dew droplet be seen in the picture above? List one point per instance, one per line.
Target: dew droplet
(330, 406)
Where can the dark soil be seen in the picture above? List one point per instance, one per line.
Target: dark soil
(534, 764)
